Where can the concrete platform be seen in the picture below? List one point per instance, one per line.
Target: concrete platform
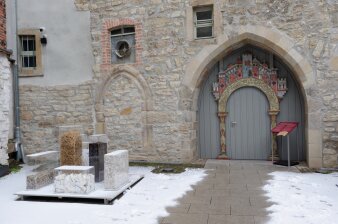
(98, 193)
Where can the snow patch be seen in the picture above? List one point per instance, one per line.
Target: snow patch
(144, 203)
(303, 198)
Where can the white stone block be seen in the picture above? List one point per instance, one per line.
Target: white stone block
(85, 157)
(43, 158)
(116, 165)
(74, 179)
(98, 138)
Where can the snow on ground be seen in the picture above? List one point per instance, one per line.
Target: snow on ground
(303, 198)
(144, 203)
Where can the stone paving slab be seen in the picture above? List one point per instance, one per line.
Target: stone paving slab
(209, 209)
(177, 218)
(181, 208)
(231, 193)
(230, 219)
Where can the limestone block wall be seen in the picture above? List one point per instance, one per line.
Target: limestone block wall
(44, 109)
(161, 117)
(5, 96)
(123, 112)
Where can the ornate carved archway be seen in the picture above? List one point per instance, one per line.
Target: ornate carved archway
(247, 82)
(248, 72)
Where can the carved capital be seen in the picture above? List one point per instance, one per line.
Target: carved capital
(273, 112)
(222, 116)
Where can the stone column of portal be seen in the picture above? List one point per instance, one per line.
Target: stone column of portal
(273, 120)
(222, 117)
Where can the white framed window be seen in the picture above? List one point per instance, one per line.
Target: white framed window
(203, 22)
(28, 51)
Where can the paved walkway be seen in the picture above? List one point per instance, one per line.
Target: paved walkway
(230, 194)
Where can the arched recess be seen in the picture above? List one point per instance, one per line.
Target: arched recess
(247, 82)
(271, 40)
(138, 80)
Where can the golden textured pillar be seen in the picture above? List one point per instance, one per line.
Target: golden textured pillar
(273, 120)
(222, 117)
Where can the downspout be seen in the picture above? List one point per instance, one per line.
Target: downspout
(17, 131)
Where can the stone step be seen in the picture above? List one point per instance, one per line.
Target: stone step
(43, 158)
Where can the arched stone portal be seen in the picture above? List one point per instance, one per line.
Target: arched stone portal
(273, 41)
(247, 82)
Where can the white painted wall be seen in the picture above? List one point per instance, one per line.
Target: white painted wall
(67, 58)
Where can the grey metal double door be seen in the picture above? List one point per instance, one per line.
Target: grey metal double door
(248, 125)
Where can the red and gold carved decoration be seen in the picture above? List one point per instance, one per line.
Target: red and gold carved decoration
(249, 67)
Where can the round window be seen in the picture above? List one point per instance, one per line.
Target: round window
(123, 49)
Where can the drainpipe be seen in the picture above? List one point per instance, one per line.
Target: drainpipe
(17, 131)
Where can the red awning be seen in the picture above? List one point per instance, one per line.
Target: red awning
(285, 127)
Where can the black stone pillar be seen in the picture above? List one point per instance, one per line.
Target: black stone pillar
(4, 170)
(96, 159)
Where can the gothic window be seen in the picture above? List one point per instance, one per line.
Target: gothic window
(123, 45)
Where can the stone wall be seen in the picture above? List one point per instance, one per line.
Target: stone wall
(5, 88)
(44, 109)
(123, 114)
(5, 96)
(166, 47)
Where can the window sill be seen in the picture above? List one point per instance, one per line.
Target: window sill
(30, 72)
(29, 75)
(206, 40)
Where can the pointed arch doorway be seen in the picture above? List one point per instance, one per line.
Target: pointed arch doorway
(210, 134)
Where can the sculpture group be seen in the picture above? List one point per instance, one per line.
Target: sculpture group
(81, 162)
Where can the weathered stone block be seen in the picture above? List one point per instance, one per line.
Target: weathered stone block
(43, 158)
(96, 159)
(39, 179)
(116, 169)
(71, 149)
(74, 179)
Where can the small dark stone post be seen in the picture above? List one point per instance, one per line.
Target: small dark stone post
(96, 159)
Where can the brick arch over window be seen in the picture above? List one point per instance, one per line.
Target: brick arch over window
(275, 42)
(109, 25)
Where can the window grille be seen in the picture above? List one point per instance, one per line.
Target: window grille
(28, 51)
